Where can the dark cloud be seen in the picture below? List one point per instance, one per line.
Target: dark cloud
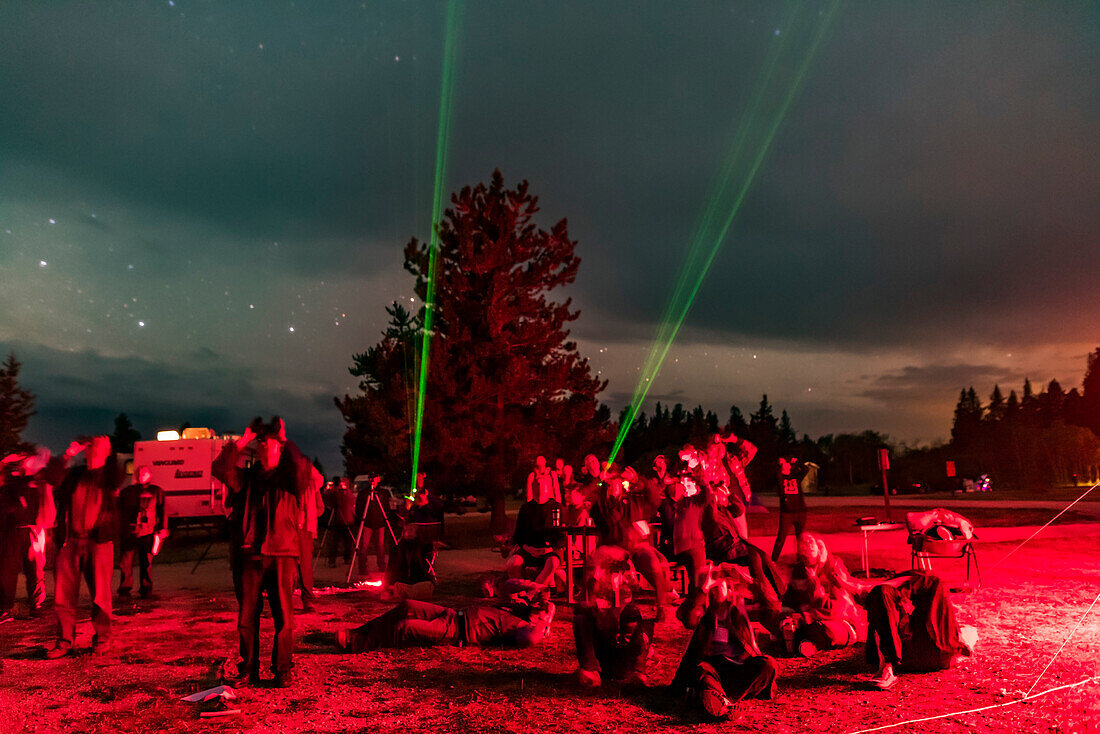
(226, 173)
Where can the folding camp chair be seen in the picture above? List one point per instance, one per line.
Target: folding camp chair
(926, 546)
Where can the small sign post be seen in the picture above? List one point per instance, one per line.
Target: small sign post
(884, 466)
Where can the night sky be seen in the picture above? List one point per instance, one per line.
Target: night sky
(203, 206)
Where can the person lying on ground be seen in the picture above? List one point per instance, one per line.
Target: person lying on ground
(522, 621)
(820, 611)
(911, 626)
(723, 663)
(611, 636)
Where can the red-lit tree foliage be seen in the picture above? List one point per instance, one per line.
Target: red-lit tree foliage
(505, 383)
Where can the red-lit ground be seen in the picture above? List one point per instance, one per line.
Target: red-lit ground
(171, 647)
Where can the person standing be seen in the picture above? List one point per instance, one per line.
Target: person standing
(342, 501)
(739, 454)
(312, 509)
(372, 504)
(792, 504)
(144, 525)
(266, 512)
(27, 511)
(87, 525)
(543, 480)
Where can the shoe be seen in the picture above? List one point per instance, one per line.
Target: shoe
(35, 612)
(59, 650)
(885, 677)
(6, 617)
(308, 609)
(145, 593)
(636, 679)
(807, 649)
(589, 678)
(282, 679)
(101, 647)
(787, 628)
(124, 592)
(715, 704)
(343, 638)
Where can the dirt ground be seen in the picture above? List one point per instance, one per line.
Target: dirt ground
(172, 646)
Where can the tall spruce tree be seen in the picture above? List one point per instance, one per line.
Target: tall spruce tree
(16, 407)
(504, 381)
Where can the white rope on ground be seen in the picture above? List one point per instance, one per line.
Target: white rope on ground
(1064, 642)
(1079, 683)
(1044, 527)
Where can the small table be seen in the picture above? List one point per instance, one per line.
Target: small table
(867, 530)
(575, 536)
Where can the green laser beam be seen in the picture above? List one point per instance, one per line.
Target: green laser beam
(443, 131)
(670, 329)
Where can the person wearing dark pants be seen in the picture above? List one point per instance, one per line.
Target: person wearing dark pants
(265, 516)
(26, 512)
(87, 525)
(341, 499)
(792, 504)
(372, 504)
(723, 664)
(275, 577)
(911, 624)
(612, 644)
(423, 624)
(143, 520)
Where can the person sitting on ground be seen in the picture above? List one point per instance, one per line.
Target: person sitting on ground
(542, 474)
(522, 621)
(537, 541)
(723, 663)
(911, 626)
(621, 515)
(611, 637)
(819, 607)
(410, 573)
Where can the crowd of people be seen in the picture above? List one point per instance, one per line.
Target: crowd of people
(680, 528)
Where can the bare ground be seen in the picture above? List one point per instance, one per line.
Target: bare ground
(170, 647)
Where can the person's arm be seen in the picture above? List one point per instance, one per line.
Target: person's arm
(537, 629)
(225, 468)
(162, 513)
(530, 486)
(557, 486)
(746, 450)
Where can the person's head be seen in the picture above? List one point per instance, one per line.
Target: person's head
(559, 465)
(143, 474)
(716, 450)
(97, 451)
(592, 465)
(786, 465)
(540, 463)
(689, 456)
(574, 497)
(660, 465)
(809, 550)
(420, 478)
(35, 462)
(544, 492)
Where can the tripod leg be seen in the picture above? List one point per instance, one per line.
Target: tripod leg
(321, 546)
(355, 553)
(203, 556)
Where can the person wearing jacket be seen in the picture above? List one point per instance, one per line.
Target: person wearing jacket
(265, 513)
(87, 526)
(144, 525)
(312, 509)
(26, 512)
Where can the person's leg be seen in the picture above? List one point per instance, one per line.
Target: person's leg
(248, 614)
(305, 569)
(9, 569)
(99, 571)
(549, 568)
(514, 566)
(280, 573)
(694, 561)
(741, 522)
(654, 569)
(34, 567)
(754, 678)
(799, 520)
(883, 620)
(127, 550)
(66, 591)
(786, 522)
(440, 629)
(145, 564)
(639, 635)
(827, 634)
(363, 555)
(584, 636)
(379, 542)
